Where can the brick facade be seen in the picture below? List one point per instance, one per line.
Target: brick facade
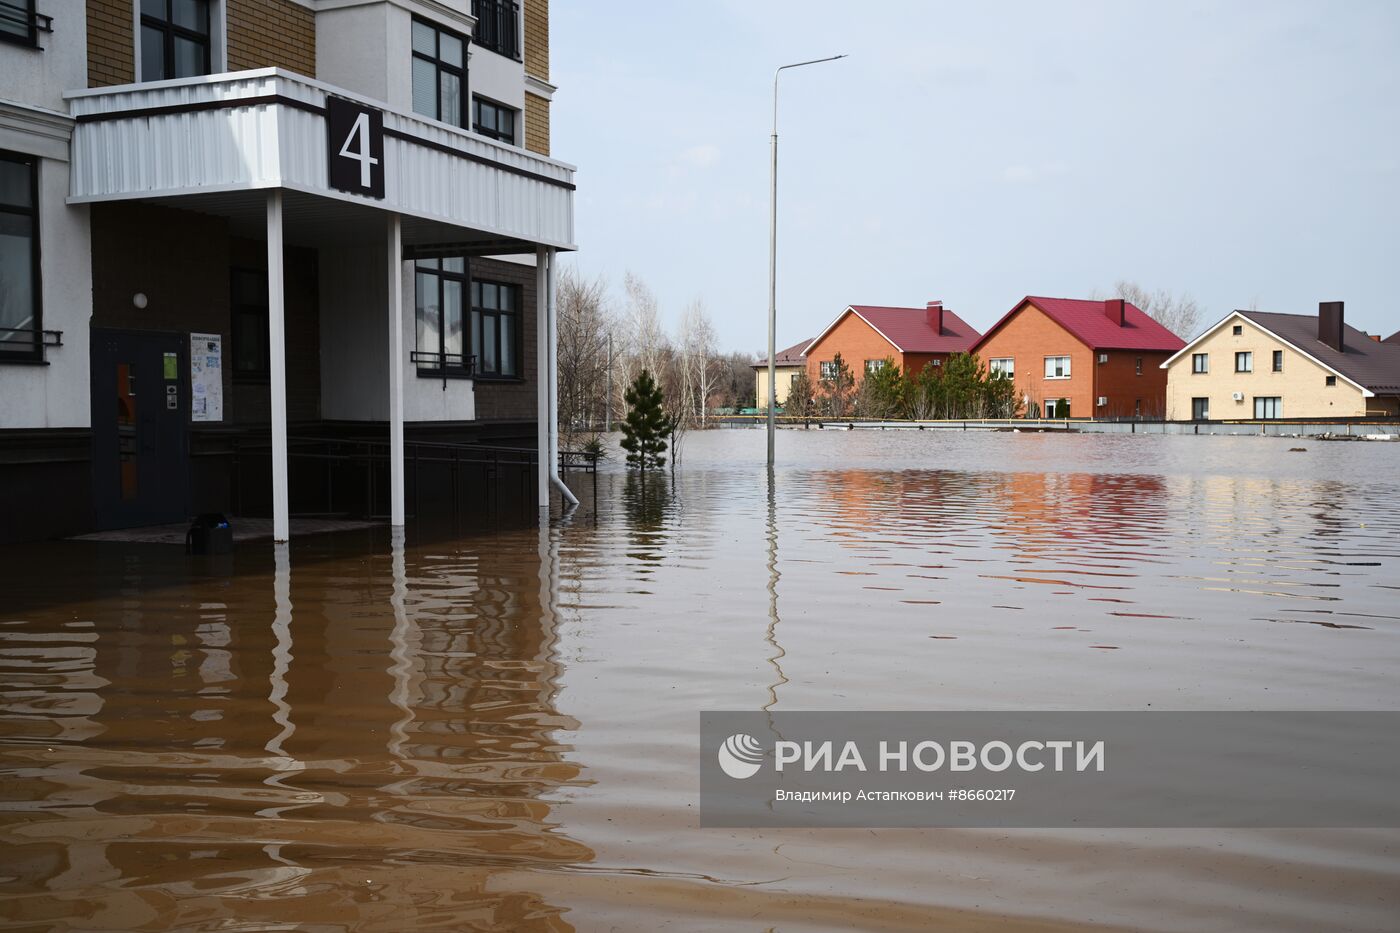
(267, 33)
(260, 34)
(857, 342)
(537, 38)
(536, 54)
(536, 123)
(512, 400)
(111, 42)
(1030, 335)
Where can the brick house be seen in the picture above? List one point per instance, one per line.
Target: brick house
(867, 335)
(246, 228)
(1253, 365)
(1087, 359)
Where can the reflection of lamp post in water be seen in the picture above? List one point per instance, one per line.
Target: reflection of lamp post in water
(773, 575)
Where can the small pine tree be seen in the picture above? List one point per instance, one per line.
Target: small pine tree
(647, 425)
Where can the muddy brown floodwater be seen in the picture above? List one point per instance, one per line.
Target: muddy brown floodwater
(499, 730)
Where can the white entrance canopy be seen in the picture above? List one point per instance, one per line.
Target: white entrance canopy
(267, 129)
(259, 148)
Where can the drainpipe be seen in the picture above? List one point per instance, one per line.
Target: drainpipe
(551, 382)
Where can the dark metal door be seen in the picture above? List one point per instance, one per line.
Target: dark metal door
(140, 452)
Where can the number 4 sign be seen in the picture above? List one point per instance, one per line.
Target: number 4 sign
(355, 150)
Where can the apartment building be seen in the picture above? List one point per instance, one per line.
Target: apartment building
(238, 234)
(1254, 365)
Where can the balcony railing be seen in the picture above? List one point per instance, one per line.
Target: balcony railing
(497, 26)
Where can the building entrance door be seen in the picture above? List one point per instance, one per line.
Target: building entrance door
(140, 452)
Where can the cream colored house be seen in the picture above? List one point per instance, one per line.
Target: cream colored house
(788, 364)
(1257, 366)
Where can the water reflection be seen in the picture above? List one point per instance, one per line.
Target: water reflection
(649, 506)
(379, 733)
(312, 743)
(774, 575)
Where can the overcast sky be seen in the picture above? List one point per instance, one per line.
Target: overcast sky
(1245, 153)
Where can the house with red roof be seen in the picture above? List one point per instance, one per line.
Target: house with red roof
(1084, 359)
(867, 335)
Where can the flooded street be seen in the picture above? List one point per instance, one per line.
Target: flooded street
(498, 730)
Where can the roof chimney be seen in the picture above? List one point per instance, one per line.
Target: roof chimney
(1113, 307)
(1329, 324)
(935, 316)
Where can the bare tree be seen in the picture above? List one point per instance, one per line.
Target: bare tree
(1179, 314)
(696, 343)
(584, 328)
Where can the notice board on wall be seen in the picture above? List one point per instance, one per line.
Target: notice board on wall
(206, 377)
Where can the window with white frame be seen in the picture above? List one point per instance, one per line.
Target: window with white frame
(1002, 366)
(827, 369)
(1270, 406)
(874, 366)
(1057, 367)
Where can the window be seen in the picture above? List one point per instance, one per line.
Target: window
(1057, 367)
(1057, 408)
(496, 328)
(439, 289)
(493, 120)
(439, 73)
(1139, 366)
(248, 307)
(793, 379)
(497, 26)
(1103, 357)
(1200, 409)
(21, 336)
(174, 39)
(1244, 362)
(1237, 330)
(21, 24)
(1268, 406)
(1331, 380)
(1003, 366)
(1137, 408)
(1200, 362)
(1278, 361)
(828, 370)
(874, 366)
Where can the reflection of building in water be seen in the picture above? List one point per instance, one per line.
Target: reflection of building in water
(384, 734)
(1100, 513)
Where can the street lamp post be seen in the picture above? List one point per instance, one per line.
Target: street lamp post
(773, 257)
